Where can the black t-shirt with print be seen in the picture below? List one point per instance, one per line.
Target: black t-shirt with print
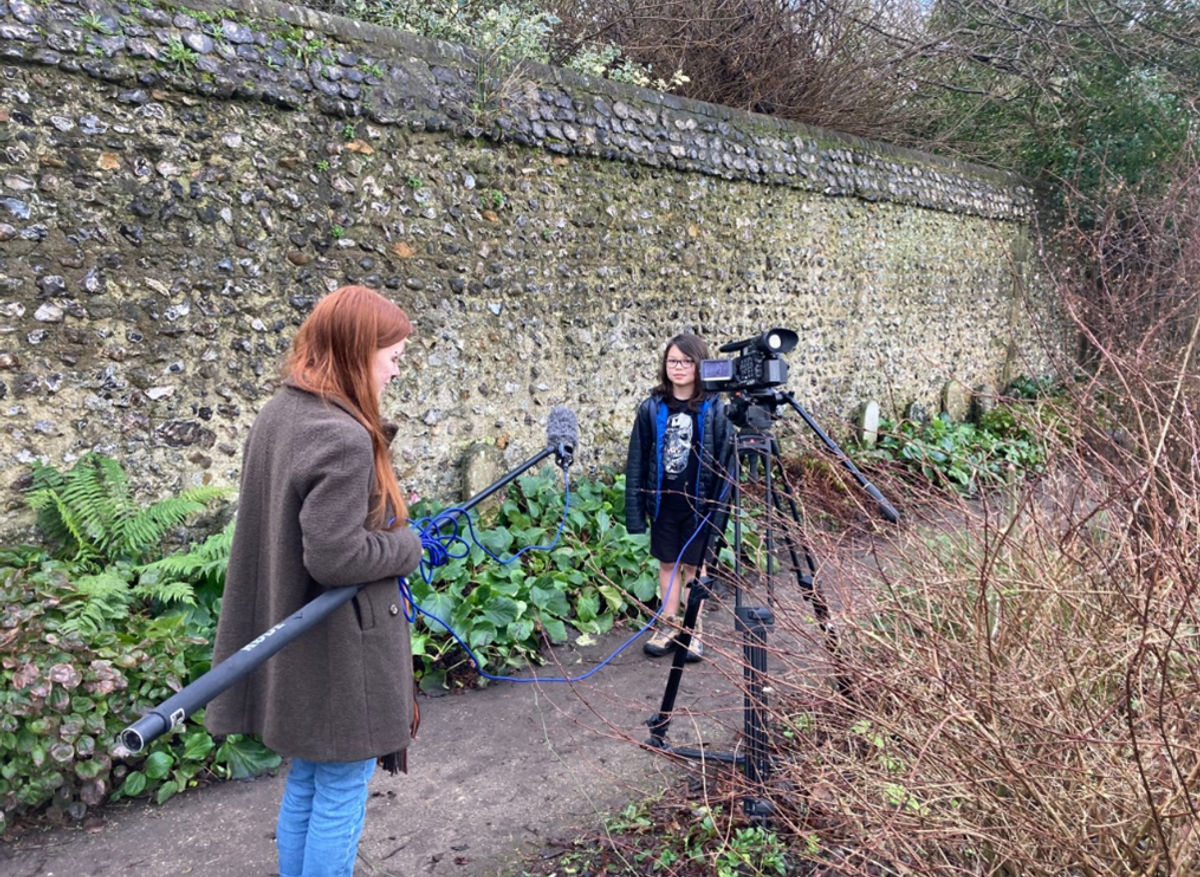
(680, 455)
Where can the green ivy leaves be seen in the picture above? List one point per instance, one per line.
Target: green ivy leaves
(966, 456)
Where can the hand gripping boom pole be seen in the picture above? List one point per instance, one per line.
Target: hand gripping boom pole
(562, 437)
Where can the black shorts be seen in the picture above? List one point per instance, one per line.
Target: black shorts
(671, 531)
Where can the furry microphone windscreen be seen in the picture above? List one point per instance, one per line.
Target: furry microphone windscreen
(562, 429)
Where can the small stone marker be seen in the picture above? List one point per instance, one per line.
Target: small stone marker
(956, 401)
(916, 413)
(482, 465)
(868, 423)
(983, 400)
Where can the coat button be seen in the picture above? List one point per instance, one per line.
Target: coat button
(394, 609)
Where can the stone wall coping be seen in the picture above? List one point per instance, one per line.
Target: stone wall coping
(427, 84)
(437, 51)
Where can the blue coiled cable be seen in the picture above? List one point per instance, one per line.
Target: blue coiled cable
(442, 541)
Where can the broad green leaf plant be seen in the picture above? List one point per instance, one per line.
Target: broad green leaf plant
(597, 575)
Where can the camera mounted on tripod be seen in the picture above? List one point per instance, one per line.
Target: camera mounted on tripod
(753, 381)
(759, 368)
(751, 377)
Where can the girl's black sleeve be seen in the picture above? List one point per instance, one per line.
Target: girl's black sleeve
(635, 472)
(723, 452)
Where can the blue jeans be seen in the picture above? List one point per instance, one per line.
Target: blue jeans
(321, 817)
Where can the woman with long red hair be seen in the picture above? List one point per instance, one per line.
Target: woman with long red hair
(319, 507)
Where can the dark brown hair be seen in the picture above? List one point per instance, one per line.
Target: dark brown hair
(331, 357)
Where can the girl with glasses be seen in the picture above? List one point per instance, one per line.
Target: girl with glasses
(671, 476)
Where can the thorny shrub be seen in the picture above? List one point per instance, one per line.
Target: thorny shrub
(1011, 682)
(828, 64)
(1012, 691)
(1012, 686)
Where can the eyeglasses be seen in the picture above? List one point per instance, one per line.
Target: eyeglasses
(680, 363)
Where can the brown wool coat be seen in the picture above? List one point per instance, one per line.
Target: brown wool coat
(343, 690)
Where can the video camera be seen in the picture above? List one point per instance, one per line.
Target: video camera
(760, 367)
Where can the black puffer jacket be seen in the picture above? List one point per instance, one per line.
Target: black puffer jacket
(643, 464)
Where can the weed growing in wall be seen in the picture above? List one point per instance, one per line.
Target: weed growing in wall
(504, 34)
(178, 56)
(96, 23)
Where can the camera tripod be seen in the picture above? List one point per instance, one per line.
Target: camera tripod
(755, 453)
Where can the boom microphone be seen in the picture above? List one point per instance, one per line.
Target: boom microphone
(562, 434)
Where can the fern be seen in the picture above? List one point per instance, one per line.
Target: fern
(54, 522)
(195, 578)
(90, 512)
(102, 600)
(76, 508)
(59, 515)
(145, 528)
(167, 593)
(85, 499)
(205, 562)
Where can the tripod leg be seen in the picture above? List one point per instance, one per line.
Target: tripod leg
(753, 623)
(699, 589)
(807, 581)
(660, 722)
(754, 451)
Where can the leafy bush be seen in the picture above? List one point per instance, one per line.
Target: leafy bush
(1026, 387)
(510, 31)
(596, 575)
(96, 632)
(965, 456)
(504, 33)
(102, 629)
(66, 693)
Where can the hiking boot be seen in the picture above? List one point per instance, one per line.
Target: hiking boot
(662, 639)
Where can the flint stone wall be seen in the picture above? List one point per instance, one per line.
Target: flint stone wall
(179, 184)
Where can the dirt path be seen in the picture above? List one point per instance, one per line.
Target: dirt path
(495, 773)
